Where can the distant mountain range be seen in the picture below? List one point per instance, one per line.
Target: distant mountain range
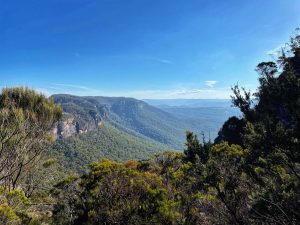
(191, 103)
(122, 128)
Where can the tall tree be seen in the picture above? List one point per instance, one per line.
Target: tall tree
(196, 151)
(25, 120)
(271, 133)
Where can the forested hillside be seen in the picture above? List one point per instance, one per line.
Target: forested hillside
(75, 153)
(94, 128)
(165, 125)
(251, 175)
(127, 114)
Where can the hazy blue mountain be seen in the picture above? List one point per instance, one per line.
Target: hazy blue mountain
(206, 120)
(200, 115)
(127, 114)
(121, 128)
(193, 103)
(164, 123)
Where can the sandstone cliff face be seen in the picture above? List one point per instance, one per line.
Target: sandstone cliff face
(74, 124)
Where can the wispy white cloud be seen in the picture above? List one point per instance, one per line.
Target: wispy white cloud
(143, 58)
(210, 83)
(164, 61)
(180, 92)
(73, 86)
(44, 91)
(176, 93)
(71, 89)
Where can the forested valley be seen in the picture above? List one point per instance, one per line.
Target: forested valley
(250, 174)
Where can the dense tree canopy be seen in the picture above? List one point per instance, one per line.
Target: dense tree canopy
(271, 132)
(25, 120)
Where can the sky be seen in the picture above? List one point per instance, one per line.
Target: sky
(155, 49)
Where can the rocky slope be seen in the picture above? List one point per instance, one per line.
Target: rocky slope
(83, 114)
(72, 124)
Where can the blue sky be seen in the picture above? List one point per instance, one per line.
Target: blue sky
(140, 48)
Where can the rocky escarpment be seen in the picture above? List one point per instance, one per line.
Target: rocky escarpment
(74, 124)
(80, 115)
(128, 114)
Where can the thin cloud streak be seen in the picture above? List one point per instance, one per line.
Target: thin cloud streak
(210, 83)
(181, 93)
(74, 86)
(164, 61)
(178, 93)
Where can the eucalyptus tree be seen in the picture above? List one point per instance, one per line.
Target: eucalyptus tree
(25, 121)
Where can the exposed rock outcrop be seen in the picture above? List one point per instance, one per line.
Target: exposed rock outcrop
(74, 124)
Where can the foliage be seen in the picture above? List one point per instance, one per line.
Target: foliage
(271, 132)
(232, 131)
(25, 119)
(116, 193)
(77, 152)
(195, 150)
(13, 206)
